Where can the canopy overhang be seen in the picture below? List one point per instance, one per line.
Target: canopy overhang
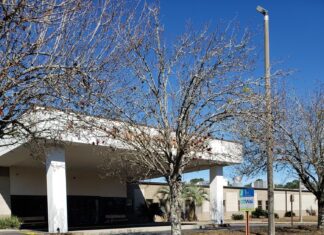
(88, 148)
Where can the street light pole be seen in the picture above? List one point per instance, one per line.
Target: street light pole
(271, 222)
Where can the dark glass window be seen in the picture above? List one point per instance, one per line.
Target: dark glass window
(260, 204)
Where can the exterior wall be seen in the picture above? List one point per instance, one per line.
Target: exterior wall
(5, 204)
(27, 181)
(32, 181)
(231, 197)
(281, 201)
(89, 183)
(231, 200)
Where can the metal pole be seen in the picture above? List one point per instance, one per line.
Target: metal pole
(247, 229)
(300, 202)
(271, 230)
(271, 222)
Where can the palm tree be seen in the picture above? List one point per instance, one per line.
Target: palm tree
(164, 196)
(195, 195)
(191, 193)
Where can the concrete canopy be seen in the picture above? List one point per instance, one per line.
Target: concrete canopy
(87, 148)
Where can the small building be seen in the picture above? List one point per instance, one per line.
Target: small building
(231, 200)
(259, 183)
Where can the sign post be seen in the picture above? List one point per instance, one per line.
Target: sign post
(247, 227)
(247, 205)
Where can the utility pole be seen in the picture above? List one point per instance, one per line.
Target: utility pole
(269, 134)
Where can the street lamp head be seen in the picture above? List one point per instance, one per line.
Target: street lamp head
(262, 10)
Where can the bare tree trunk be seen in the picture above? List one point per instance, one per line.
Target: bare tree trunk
(175, 206)
(194, 212)
(320, 222)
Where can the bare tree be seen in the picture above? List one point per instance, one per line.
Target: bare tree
(298, 142)
(177, 96)
(302, 142)
(52, 52)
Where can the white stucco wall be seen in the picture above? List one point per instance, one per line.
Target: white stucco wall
(279, 201)
(32, 181)
(27, 181)
(231, 201)
(309, 202)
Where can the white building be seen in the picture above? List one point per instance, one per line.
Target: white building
(259, 183)
(63, 186)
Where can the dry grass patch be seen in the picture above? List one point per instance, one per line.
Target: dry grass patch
(300, 230)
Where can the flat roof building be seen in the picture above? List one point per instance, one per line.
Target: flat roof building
(231, 204)
(62, 186)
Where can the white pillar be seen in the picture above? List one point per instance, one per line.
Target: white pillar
(56, 190)
(216, 194)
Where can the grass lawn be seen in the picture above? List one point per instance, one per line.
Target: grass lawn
(296, 219)
(302, 229)
(281, 219)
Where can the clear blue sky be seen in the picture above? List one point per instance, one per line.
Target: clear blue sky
(296, 36)
(296, 30)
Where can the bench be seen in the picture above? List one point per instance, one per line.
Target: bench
(115, 218)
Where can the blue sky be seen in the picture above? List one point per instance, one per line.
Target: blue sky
(296, 31)
(296, 38)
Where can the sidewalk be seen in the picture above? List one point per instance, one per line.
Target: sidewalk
(136, 230)
(161, 230)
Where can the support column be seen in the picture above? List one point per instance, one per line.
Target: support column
(5, 200)
(216, 194)
(56, 190)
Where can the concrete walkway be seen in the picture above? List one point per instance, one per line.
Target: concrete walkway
(150, 230)
(135, 230)
(12, 232)
(160, 230)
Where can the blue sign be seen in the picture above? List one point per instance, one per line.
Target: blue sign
(247, 192)
(247, 199)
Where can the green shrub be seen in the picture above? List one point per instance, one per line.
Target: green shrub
(259, 212)
(10, 222)
(237, 217)
(288, 214)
